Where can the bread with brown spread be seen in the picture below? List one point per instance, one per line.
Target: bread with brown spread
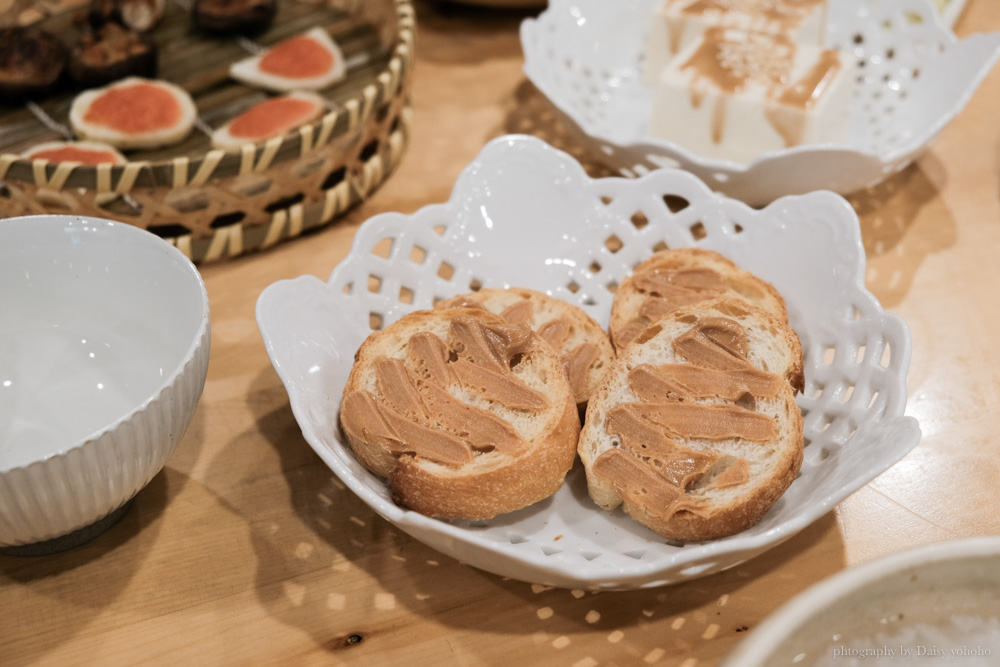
(695, 429)
(466, 415)
(582, 344)
(680, 277)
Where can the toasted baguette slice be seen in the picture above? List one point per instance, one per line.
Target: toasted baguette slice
(695, 429)
(466, 415)
(583, 346)
(673, 278)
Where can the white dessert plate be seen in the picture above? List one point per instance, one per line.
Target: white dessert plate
(913, 77)
(526, 214)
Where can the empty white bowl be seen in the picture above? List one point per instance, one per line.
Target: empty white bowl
(104, 341)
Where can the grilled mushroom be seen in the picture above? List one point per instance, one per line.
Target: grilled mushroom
(31, 62)
(111, 53)
(233, 16)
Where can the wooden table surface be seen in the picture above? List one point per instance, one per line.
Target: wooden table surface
(246, 550)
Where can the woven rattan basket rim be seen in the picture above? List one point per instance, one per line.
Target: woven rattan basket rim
(185, 171)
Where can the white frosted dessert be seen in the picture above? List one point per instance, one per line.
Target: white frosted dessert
(675, 24)
(735, 94)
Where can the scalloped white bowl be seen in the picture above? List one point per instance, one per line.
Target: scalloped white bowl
(105, 331)
(939, 597)
(913, 78)
(526, 214)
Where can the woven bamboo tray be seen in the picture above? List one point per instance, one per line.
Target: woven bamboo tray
(209, 203)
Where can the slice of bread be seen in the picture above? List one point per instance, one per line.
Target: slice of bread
(679, 277)
(465, 415)
(582, 345)
(695, 429)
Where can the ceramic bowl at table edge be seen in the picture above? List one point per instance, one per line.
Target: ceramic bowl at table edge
(139, 303)
(926, 584)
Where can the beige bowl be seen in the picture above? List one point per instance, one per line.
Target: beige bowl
(934, 605)
(105, 331)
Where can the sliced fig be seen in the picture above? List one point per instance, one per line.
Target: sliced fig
(273, 117)
(31, 62)
(308, 61)
(84, 152)
(242, 17)
(134, 113)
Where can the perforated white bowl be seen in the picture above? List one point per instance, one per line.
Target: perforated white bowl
(524, 213)
(913, 77)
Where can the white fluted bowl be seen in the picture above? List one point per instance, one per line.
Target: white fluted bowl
(104, 341)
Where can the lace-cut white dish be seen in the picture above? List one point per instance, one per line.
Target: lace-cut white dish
(913, 78)
(524, 213)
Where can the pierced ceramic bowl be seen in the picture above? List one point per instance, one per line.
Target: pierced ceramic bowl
(105, 331)
(913, 77)
(526, 214)
(931, 605)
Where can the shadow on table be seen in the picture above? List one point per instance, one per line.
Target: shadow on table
(68, 589)
(889, 212)
(344, 575)
(443, 28)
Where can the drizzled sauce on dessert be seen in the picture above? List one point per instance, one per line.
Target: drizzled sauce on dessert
(703, 399)
(730, 61)
(787, 13)
(416, 413)
(773, 16)
(803, 94)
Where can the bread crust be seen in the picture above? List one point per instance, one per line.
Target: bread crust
(494, 482)
(544, 310)
(719, 513)
(626, 320)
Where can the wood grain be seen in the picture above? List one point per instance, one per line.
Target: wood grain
(246, 550)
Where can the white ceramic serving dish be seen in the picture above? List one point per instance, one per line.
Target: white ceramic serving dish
(526, 214)
(950, 10)
(932, 605)
(914, 77)
(105, 331)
